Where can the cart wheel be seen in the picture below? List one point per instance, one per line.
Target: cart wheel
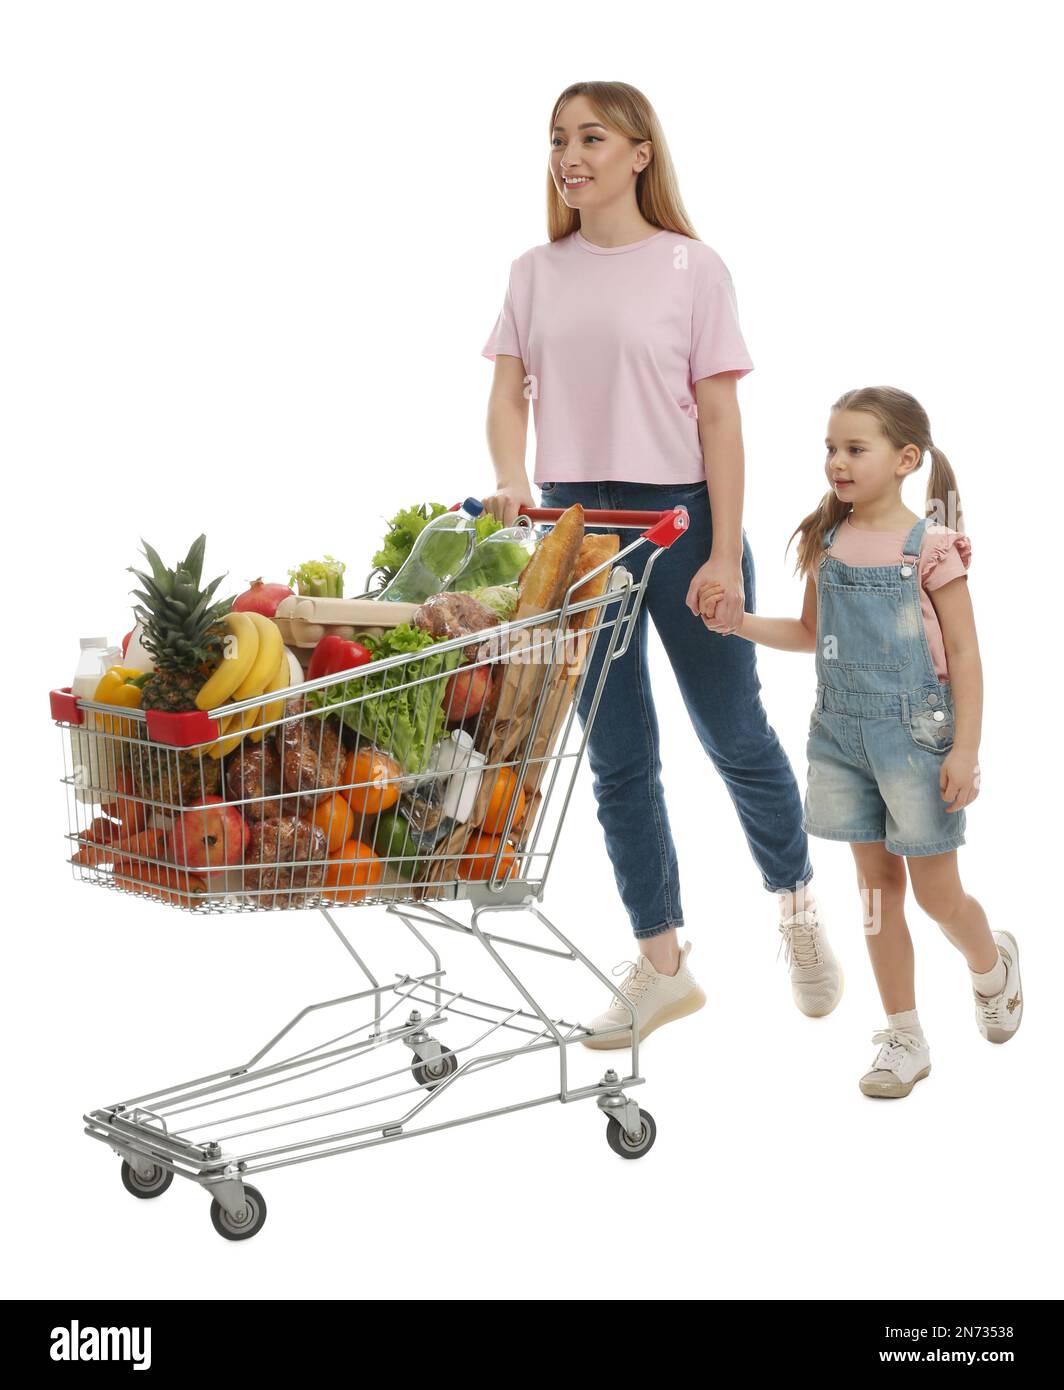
(619, 1142)
(154, 1185)
(254, 1217)
(430, 1074)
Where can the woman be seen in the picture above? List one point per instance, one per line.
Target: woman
(623, 330)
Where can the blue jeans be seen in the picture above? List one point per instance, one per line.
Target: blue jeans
(718, 681)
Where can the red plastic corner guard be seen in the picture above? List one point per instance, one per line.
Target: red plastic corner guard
(65, 706)
(671, 526)
(178, 730)
(181, 730)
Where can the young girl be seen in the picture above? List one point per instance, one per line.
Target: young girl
(894, 735)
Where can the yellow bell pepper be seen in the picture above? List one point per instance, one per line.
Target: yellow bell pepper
(121, 685)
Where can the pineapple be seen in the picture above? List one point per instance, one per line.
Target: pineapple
(184, 634)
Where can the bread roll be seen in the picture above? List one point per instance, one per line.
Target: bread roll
(593, 551)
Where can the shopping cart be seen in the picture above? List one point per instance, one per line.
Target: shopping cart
(284, 805)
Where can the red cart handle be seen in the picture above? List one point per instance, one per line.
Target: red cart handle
(664, 527)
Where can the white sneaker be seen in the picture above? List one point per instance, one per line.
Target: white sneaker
(903, 1060)
(657, 998)
(816, 976)
(999, 1018)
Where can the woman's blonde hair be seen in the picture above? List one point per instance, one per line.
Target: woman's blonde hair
(657, 192)
(904, 421)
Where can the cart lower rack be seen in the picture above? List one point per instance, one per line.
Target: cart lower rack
(386, 1061)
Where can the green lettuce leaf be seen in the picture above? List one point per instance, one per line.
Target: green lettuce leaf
(500, 599)
(402, 722)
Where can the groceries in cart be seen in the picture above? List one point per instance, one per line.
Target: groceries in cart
(285, 749)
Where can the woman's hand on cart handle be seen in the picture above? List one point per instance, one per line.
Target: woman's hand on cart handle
(505, 503)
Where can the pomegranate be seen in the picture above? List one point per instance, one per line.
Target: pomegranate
(261, 598)
(210, 833)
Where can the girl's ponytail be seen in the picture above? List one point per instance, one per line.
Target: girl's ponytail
(943, 502)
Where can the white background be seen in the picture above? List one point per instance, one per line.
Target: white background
(251, 254)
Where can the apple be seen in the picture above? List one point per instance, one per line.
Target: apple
(466, 692)
(210, 834)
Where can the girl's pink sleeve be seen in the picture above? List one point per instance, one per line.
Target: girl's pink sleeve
(946, 555)
(505, 336)
(716, 339)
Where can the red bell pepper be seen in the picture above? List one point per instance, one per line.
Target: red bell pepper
(334, 655)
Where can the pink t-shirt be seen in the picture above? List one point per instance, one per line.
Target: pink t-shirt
(612, 339)
(944, 555)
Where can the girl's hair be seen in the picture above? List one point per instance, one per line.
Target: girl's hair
(904, 421)
(657, 191)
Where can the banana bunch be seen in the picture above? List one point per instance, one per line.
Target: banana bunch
(258, 666)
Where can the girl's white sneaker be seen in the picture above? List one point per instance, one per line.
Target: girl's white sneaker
(657, 999)
(999, 1018)
(902, 1061)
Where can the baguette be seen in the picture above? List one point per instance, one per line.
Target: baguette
(594, 551)
(541, 587)
(543, 581)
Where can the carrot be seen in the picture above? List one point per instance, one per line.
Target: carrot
(120, 803)
(99, 835)
(171, 885)
(147, 844)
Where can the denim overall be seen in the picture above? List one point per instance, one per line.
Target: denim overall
(883, 722)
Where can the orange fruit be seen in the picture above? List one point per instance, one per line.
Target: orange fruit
(479, 857)
(347, 876)
(336, 819)
(381, 773)
(504, 793)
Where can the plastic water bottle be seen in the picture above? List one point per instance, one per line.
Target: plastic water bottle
(441, 551)
(498, 559)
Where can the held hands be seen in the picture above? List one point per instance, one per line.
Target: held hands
(708, 597)
(503, 504)
(717, 597)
